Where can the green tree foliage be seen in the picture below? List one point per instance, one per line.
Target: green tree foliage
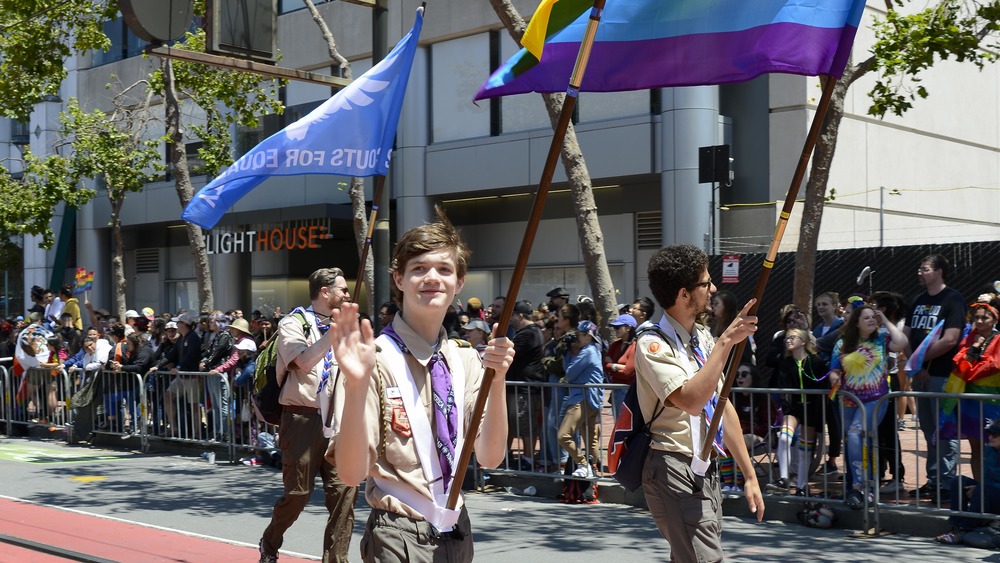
(27, 203)
(36, 37)
(907, 44)
(227, 97)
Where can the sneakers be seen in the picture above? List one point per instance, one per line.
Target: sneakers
(829, 468)
(892, 488)
(953, 537)
(780, 486)
(264, 557)
(855, 500)
(584, 471)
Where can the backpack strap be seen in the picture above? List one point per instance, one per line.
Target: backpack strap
(305, 331)
(646, 329)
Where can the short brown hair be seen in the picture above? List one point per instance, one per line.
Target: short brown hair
(425, 238)
(323, 277)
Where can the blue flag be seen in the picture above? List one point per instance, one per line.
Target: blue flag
(351, 134)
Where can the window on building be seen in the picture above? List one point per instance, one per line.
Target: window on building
(124, 43)
(458, 68)
(196, 166)
(20, 132)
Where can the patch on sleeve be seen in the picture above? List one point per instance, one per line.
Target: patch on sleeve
(651, 345)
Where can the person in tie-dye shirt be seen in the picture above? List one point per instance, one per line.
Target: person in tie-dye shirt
(860, 364)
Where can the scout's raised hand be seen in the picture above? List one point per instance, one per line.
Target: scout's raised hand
(499, 353)
(353, 343)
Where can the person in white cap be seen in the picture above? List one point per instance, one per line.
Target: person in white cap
(130, 316)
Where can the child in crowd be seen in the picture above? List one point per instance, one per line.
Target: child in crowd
(971, 496)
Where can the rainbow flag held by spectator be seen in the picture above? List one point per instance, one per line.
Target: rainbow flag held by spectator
(644, 44)
(84, 281)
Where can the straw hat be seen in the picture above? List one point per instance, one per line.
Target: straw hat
(241, 325)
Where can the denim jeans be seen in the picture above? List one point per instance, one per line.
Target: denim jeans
(942, 455)
(553, 416)
(617, 399)
(858, 450)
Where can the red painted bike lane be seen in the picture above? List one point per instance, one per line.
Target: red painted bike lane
(99, 538)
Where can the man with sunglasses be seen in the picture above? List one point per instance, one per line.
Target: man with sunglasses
(679, 373)
(305, 359)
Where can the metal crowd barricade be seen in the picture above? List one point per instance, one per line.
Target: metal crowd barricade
(919, 454)
(534, 446)
(191, 407)
(249, 432)
(6, 394)
(119, 399)
(40, 396)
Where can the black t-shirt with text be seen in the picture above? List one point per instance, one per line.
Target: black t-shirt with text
(925, 312)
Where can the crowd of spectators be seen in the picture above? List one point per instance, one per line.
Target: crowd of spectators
(859, 345)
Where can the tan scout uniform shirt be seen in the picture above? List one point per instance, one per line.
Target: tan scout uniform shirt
(302, 388)
(399, 462)
(659, 372)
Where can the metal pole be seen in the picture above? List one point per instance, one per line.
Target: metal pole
(380, 239)
(881, 216)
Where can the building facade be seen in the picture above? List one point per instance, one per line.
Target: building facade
(483, 163)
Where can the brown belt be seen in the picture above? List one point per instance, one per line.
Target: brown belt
(297, 409)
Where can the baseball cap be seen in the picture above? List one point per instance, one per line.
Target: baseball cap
(477, 323)
(994, 427)
(523, 308)
(19, 318)
(148, 313)
(131, 314)
(624, 320)
(246, 344)
(171, 325)
(590, 328)
(188, 319)
(558, 292)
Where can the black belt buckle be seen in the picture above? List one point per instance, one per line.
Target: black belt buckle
(453, 534)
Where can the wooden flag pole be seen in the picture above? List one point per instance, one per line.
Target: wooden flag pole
(379, 186)
(555, 148)
(772, 252)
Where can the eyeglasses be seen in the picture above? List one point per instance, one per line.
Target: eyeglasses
(702, 284)
(924, 270)
(792, 337)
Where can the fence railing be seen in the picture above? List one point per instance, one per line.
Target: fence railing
(203, 408)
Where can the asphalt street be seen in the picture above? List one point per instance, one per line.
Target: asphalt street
(233, 503)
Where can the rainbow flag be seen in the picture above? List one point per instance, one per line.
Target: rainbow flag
(644, 44)
(84, 281)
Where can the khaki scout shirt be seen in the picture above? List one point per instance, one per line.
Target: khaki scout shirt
(399, 463)
(302, 388)
(660, 370)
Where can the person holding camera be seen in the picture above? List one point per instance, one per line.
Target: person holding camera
(582, 365)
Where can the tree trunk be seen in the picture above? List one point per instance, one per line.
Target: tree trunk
(117, 197)
(357, 191)
(819, 177)
(185, 191)
(591, 237)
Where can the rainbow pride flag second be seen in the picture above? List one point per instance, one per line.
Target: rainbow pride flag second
(644, 44)
(84, 281)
